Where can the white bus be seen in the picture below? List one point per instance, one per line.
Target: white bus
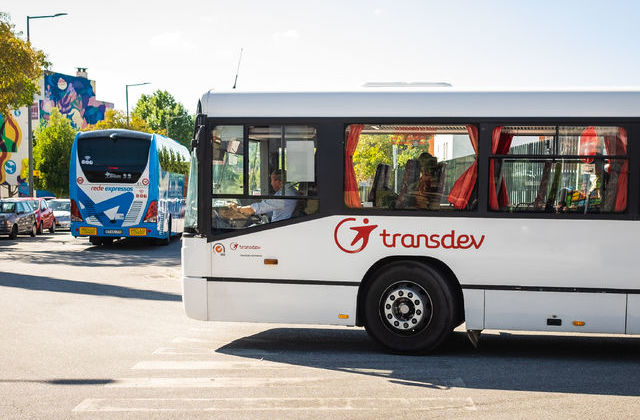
(411, 212)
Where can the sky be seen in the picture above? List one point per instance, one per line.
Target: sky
(190, 46)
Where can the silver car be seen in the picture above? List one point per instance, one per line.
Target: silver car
(62, 211)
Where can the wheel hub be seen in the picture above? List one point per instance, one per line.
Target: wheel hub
(406, 306)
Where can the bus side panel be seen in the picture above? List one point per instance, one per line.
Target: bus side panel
(633, 314)
(282, 303)
(73, 161)
(473, 308)
(555, 311)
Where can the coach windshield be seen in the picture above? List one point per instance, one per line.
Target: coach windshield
(113, 159)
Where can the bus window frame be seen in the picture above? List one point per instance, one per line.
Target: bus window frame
(331, 131)
(206, 172)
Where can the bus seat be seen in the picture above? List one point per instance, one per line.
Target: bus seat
(380, 186)
(407, 196)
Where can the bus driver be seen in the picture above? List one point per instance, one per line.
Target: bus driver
(279, 209)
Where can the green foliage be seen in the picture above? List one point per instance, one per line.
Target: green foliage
(20, 68)
(373, 150)
(173, 162)
(118, 119)
(52, 154)
(166, 116)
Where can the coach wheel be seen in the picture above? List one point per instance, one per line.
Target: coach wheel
(409, 308)
(14, 232)
(52, 229)
(95, 240)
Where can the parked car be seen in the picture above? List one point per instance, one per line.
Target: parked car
(62, 211)
(17, 216)
(45, 218)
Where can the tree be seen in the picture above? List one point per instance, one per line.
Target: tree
(118, 119)
(161, 111)
(52, 153)
(20, 68)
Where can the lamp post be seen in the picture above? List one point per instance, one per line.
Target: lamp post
(29, 129)
(127, 90)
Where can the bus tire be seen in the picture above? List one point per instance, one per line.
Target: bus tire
(166, 241)
(409, 308)
(95, 240)
(14, 232)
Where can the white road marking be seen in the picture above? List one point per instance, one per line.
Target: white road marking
(272, 404)
(207, 365)
(207, 382)
(172, 351)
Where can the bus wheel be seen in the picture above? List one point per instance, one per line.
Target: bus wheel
(95, 240)
(14, 232)
(409, 308)
(167, 240)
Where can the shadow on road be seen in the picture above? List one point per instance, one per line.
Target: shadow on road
(125, 252)
(80, 287)
(510, 362)
(60, 381)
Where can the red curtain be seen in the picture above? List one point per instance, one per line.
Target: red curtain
(351, 194)
(463, 187)
(617, 145)
(500, 144)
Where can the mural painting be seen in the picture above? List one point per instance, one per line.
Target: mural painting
(13, 148)
(74, 97)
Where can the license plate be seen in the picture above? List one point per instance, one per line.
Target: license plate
(137, 231)
(88, 231)
(113, 231)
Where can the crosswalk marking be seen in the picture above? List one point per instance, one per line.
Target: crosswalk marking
(273, 404)
(209, 382)
(207, 365)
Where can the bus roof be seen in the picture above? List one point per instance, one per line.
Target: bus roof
(425, 103)
(116, 131)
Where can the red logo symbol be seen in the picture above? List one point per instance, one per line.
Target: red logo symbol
(80, 180)
(218, 248)
(233, 246)
(145, 181)
(362, 235)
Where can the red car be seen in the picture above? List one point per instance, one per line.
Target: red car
(44, 215)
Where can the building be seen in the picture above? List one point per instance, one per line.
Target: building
(74, 96)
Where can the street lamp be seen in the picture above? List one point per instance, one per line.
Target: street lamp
(127, 90)
(29, 129)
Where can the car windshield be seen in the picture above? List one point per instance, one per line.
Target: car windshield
(61, 205)
(7, 207)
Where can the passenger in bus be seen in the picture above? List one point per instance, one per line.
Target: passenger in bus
(428, 196)
(279, 209)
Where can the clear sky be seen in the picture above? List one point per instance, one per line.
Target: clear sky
(190, 46)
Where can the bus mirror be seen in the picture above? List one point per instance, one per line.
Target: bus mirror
(194, 142)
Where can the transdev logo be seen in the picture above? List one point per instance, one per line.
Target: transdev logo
(218, 248)
(351, 242)
(352, 237)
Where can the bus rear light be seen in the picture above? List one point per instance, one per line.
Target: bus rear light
(152, 213)
(75, 212)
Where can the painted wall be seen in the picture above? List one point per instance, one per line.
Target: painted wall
(74, 97)
(14, 153)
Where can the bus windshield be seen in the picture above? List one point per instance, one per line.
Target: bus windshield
(113, 159)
